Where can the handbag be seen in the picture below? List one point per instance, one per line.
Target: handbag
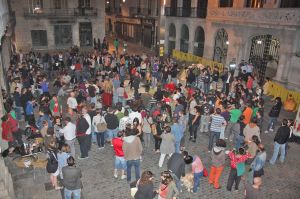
(101, 126)
(52, 163)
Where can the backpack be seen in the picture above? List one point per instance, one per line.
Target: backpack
(101, 126)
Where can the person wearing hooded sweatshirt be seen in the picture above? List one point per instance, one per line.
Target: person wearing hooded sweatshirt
(274, 114)
(132, 148)
(218, 162)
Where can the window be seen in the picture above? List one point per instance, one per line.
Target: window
(290, 4)
(84, 3)
(63, 35)
(226, 3)
(35, 4)
(255, 3)
(39, 37)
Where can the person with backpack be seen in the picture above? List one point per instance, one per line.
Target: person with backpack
(52, 164)
(100, 127)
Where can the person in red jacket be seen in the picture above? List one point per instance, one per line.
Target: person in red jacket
(6, 131)
(120, 162)
(16, 132)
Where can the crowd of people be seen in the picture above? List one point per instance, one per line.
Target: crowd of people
(84, 97)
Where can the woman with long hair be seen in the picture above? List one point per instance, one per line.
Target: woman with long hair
(52, 164)
(167, 188)
(145, 186)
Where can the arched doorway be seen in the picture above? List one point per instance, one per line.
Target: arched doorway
(199, 41)
(264, 55)
(221, 46)
(184, 40)
(172, 38)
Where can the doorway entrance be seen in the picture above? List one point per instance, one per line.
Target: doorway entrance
(85, 34)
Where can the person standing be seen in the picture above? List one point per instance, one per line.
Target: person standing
(280, 140)
(274, 114)
(177, 130)
(217, 121)
(192, 113)
(218, 162)
(235, 114)
(120, 162)
(87, 117)
(116, 45)
(52, 164)
(82, 127)
(197, 171)
(195, 124)
(69, 132)
(257, 166)
(133, 149)
(72, 180)
(100, 127)
(112, 124)
(167, 146)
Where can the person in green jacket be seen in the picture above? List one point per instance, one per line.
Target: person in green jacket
(55, 106)
(116, 45)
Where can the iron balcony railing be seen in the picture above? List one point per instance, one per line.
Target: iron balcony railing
(134, 11)
(186, 12)
(51, 12)
(111, 11)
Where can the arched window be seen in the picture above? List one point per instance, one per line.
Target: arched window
(199, 41)
(184, 39)
(221, 46)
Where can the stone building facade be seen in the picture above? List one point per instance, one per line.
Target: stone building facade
(136, 21)
(58, 24)
(263, 32)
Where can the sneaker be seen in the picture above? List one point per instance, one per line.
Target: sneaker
(208, 151)
(194, 140)
(100, 148)
(116, 175)
(266, 131)
(81, 158)
(271, 130)
(123, 177)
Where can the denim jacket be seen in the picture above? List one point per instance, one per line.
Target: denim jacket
(259, 161)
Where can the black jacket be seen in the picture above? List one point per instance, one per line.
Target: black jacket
(282, 135)
(145, 192)
(112, 121)
(82, 126)
(275, 110)
(72, 178)
(176, 164)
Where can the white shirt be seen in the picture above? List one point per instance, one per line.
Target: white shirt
(72, 102)
(69, 131)
(89, 120)
(133, 115)
(193, 104)
(97, 119)
(123, 121)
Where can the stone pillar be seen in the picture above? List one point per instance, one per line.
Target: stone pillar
(75, 34)
(209, 43)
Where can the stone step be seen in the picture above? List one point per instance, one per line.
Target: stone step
(3, 191)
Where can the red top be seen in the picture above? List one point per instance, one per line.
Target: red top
(171, 87)
(13, 123)
(78, 66)
(118, 143)
(250, 83)
(234, 160)
(6, 132)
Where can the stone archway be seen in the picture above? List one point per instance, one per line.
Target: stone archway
(199, 41)
(172, 38)
(184, 39)
(221, 46)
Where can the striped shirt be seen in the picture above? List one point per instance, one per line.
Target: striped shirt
(216, 123)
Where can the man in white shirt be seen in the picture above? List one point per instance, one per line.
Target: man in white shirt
(135, 114)
(89, 130)
(69, 132)
(72, 102)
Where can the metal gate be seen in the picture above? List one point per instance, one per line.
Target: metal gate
(221, 46)
(264, 48)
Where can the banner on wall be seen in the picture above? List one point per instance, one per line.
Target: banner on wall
(198, 60)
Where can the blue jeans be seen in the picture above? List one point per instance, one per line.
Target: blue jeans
(137, 168)
(272, 123)
(177, 181)
(276, 151)
(213, 136)
(111, 133)
(120, 163)
(100, 139)
(177, 146)
(76, 193)
(197, 177)
(206, 88)
(238, 141)
(122, 100)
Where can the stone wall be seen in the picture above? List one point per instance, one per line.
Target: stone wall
(6, 179)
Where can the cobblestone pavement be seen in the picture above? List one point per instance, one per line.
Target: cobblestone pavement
(280, 181)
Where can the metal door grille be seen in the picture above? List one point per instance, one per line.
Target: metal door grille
(221, 46)
(264, 48)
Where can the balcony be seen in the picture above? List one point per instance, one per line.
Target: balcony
(113, 11)
(186, 12)
(54, 13)
(282, 16)
(135, 11)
